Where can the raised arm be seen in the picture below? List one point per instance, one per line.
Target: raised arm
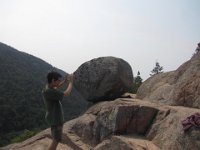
(69, 88)
(61, 83)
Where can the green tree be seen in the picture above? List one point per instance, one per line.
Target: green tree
(198, 48)
(137, 83)
(157, 69)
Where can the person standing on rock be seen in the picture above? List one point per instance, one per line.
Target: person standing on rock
(52, 99)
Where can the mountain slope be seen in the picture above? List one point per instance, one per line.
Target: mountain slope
(22, 77)
(179, 87)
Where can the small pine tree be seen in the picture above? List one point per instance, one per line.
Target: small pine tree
(198, 48)
(137, 83)
(157, 69)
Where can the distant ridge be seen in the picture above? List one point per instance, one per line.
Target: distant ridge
(22, 77)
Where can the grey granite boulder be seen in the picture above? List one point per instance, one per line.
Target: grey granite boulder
(104, 78)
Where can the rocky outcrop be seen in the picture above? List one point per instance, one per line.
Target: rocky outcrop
(143, 125)
(39, 142)
(126, 143)
(127, 123)
(179, 87)
(104, 78)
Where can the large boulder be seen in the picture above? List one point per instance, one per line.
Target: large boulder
(179, 87)
(104, 78)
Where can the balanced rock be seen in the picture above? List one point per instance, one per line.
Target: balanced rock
(104, 78)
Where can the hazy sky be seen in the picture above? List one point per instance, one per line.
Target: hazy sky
(66, 33)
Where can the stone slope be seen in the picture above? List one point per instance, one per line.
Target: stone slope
(180, 87)
(125, 123)
(124, 142)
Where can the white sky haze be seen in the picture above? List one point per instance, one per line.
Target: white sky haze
(66, 33)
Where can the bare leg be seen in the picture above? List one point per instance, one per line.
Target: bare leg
(53, 145)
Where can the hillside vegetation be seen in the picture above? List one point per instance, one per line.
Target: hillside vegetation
(22, 77)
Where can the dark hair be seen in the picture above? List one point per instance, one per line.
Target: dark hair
(53, 75)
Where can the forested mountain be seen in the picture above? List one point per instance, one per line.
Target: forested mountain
(22, 77)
